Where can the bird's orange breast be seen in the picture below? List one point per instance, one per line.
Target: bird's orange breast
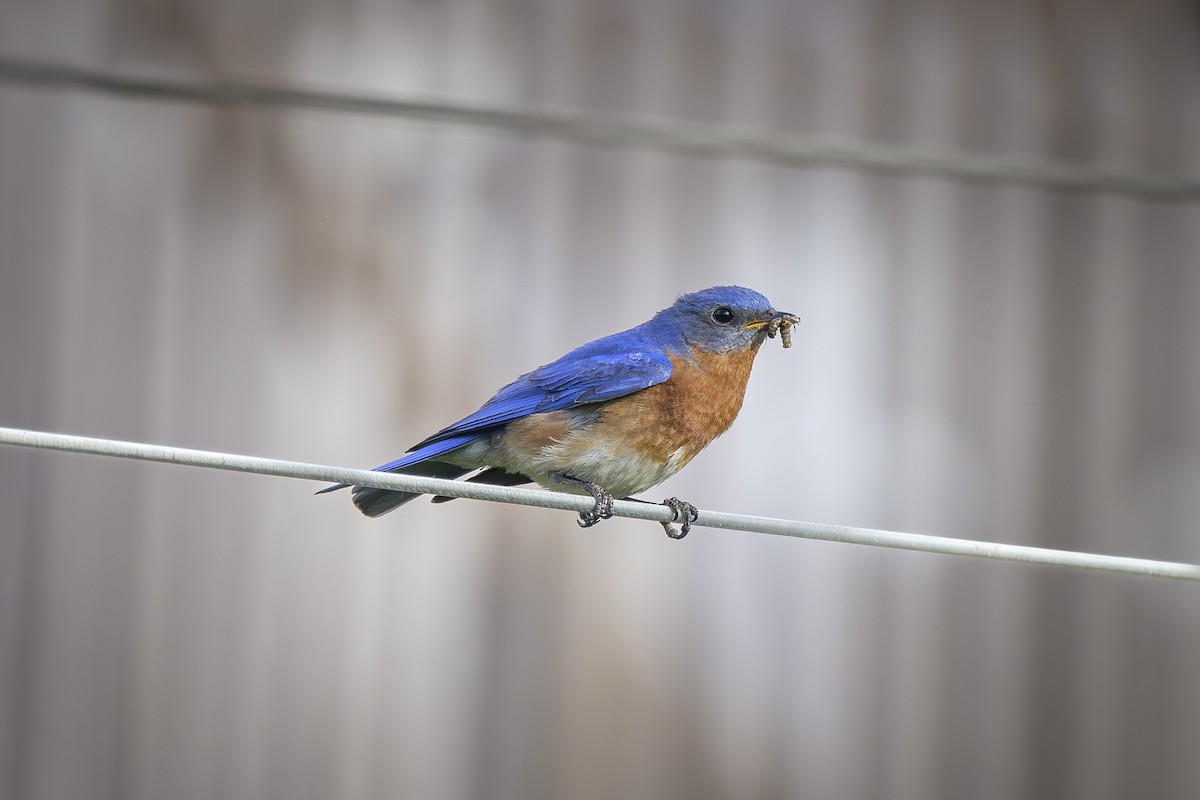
(676, 419)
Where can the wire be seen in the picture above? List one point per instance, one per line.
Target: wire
(544, 499)
(709, 141)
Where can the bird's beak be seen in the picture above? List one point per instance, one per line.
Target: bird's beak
(780, 322)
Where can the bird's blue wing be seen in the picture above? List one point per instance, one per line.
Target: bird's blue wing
(602, 370)
(425, 451)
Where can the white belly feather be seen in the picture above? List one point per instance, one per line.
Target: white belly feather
(619, 471)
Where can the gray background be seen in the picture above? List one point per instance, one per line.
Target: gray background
(992, 362)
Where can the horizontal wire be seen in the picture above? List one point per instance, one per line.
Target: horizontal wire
(567, 502)
(694, 139)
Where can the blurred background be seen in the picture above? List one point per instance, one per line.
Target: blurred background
(996, 361)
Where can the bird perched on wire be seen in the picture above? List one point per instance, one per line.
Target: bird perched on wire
(610, 418)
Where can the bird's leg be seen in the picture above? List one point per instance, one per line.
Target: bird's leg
(684, 512)
(603, 508)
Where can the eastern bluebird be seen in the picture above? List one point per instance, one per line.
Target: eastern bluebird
(611, 418)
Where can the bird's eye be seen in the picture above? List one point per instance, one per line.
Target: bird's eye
(722, 315)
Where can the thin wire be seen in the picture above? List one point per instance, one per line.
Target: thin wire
(544, 499)
(709, 141)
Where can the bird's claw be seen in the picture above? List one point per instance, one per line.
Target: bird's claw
(603, 509)
(684, 512)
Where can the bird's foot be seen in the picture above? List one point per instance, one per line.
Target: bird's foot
(684, 512)
(602, 510)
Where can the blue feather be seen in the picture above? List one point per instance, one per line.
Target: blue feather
(424, 452)
(602, 370)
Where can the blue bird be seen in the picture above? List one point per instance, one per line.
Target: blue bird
(611, 418)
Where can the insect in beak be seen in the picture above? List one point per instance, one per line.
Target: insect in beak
(781, 323)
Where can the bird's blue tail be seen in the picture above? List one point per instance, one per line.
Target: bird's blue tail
(423, 462)
(375, 502)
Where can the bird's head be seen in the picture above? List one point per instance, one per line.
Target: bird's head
(726, 318)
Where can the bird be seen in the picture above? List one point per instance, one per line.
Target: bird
(611, 418)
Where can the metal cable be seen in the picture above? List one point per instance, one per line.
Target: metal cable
(567, 502)
(711, 141)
